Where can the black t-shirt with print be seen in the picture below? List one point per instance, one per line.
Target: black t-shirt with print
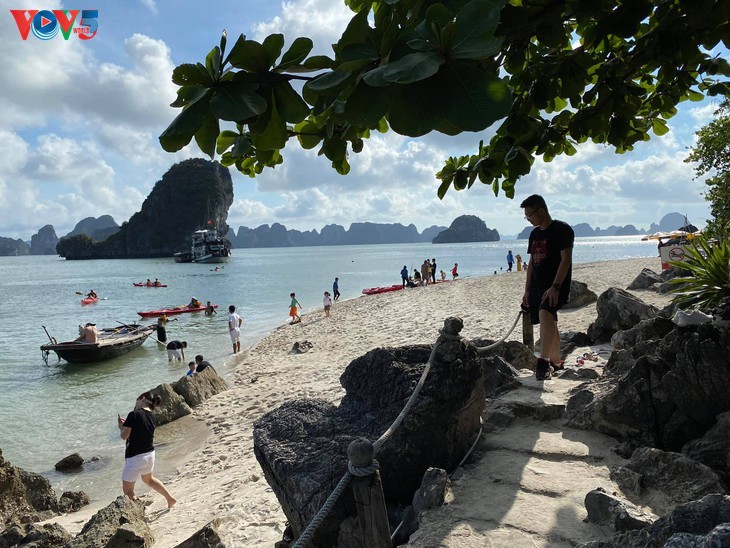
(141, 439)
(544, 248)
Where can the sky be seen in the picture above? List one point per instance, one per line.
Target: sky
(80, 120)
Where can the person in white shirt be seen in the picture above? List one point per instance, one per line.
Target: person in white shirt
(234, 328)
(327, 303)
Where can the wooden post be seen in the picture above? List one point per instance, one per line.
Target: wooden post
(528, 338)
(369, 500)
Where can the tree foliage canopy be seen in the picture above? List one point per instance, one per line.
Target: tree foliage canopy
(556, 73)
(712, 155)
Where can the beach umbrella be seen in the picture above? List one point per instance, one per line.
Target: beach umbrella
(689, 227)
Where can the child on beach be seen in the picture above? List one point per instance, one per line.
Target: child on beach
(443, 276)
(327, 303)
(455, 271)
(294, 309)
(191, 369)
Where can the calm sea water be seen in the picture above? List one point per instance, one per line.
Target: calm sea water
(50, 411)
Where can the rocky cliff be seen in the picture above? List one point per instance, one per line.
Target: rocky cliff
(467, 228)
(277, 235)
(10, 247)
(95, 228)
(44, 241)
(193, 194)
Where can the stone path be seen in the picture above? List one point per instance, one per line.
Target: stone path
(526, 482)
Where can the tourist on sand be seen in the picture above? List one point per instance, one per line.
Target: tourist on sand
(455, 271)
(519, 262)
(234, 328)
(201, 364)
(416, 276)
(404, 275)
(443, 276)
(294, 308)
(210, 309)
(510, 260)
(191, 369)
(327, 303)
(433, 270)
(138, 430)
(425, 272)
(548, 279)
(176, 350)
(336, 289)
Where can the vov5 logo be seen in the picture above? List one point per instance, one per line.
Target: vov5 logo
(45, 24)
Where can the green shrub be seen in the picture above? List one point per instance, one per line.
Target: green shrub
(708, 281)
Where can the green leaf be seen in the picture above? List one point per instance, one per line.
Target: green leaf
(179, 133)
(207, 134)
(249, 55)
(475, 23)
(189, 74)
(327, 81)
(367, 106)
(273, 45)
(443, 188)
(274, 134)
(298, 51)
(478, 49)
(309, 135)
(290, 104)
(414, 67)
(475, 99)
(660, 127)
(188, 94)
(237, 101)
(213, 62)
(225, 140)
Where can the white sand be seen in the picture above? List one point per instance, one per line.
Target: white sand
(223, 479)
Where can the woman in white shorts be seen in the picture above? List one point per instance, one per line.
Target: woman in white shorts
(138, 430)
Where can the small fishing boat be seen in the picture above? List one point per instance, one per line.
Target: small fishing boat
(172, 311)
(112, 342)
(377, 290)
(143, 284)
(89, 300)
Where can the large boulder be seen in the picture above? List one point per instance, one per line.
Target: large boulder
(467, 228)
(713, 449)
(206, 537)
(580, 295)
(645, 279)
(24, 493)
(73, 462)
(49, 535)
(121, 523)
(673, 478)
(618, 514)
(617, 310)
(173, 405)
(302, 445)
(646, 330)
(195, 389)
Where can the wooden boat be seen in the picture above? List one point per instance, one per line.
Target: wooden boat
(111, 343)
(173, 311)
(144, 284)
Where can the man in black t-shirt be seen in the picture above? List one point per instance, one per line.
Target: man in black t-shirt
(176, 350)
(202, 364)
(547, 286)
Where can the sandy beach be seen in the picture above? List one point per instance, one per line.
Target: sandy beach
(223, 480)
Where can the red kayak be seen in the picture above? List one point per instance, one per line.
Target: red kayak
(89, 300)
(376, 290)
(172, 311)
(148, 285)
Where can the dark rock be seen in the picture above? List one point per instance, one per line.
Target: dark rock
(646, 330)
(71, 463)
(50, 535)
(718, 537)
(308, 440)
(580, 295)
(678, 478)
(195, 389)
(300, 347)
(619, 363)
(467, 228)
(617, 310)
(121, 523)
(431, 494)
(628, 480)
(72, 501)
(577, 374)
(570, 340)
(699, 517)
(207, 537)
(498, 375)
(713, 449)
(618, 514)
(513, 352)
(498, 417)
(176, 207)
(23, 493)
(44, 242)
(645, 279)
(173, 405)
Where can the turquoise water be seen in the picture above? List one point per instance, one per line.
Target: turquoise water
(50, 411)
